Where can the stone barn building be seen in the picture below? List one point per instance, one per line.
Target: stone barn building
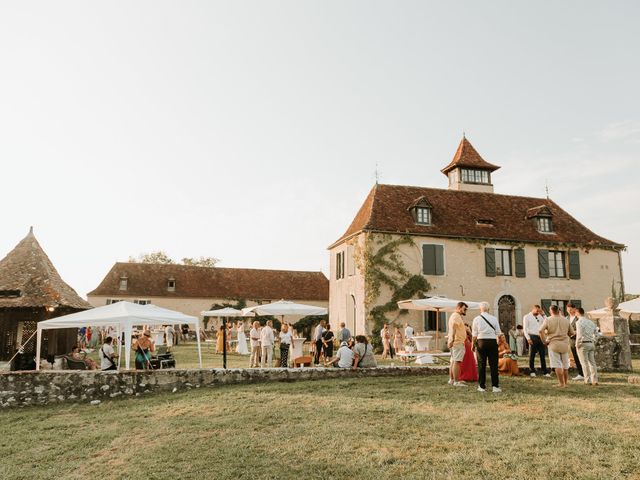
(31, 290)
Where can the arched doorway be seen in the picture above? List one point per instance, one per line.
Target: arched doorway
(506, 313)
(351, 314)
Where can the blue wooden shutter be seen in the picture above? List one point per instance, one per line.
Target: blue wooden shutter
(521, 269)
(439, 259)
(574, 264)
(490, 262)
(545, 304)
(543, 263)
(429, 259)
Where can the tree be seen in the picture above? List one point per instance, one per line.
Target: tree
(160, 257)
(153, 257)
(201, 262)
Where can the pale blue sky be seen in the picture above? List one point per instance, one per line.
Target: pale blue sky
(250, 131)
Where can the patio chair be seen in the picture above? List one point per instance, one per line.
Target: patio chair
(73, 364)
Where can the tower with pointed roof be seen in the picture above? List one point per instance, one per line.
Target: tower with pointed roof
(31, 290)
(468, 170)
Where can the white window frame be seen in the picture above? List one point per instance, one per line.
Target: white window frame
(553, 265)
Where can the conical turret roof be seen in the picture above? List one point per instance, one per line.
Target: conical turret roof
(467, 156)
(29, 279)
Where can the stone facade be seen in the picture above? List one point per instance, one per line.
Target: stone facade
(21, 389)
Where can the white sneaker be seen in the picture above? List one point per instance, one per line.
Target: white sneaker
(532, 374)
(459, 384)
(480, 389)
(450, 382)
(578, 377)
(547, 375)
(497, 390)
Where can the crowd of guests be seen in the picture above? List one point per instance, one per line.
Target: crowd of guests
(473, 347)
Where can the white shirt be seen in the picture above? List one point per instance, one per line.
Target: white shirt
(285, 337)
(408, 332)
(345, 357)
(255, 337)
(531, 324)
(317, 335)
(482, 330)
(104, 360)
(266, 336)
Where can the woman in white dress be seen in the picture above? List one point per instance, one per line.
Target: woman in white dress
(241, 348)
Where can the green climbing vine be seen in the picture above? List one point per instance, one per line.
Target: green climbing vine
(378, 257)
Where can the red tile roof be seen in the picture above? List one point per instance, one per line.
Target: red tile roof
(28, 270)
(467, 156)
(150, 280)
(456, 214)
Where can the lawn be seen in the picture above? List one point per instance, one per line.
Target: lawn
(336, 429)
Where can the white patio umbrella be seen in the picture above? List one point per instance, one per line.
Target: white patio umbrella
(436, 304)
(122, 315)
(224, 313)
(284, 307)
(630, 307)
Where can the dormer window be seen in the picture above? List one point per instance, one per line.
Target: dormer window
(171, 285)
(543, 218)
(545, 225)
(123, 283)
(421, 211)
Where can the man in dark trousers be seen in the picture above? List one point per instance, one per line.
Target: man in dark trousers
(572, 310)
(531, 323)
(317, 338)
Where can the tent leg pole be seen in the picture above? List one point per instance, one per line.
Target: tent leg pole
(198, 341)
(38, 347)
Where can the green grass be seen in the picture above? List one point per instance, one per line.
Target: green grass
(398, 427)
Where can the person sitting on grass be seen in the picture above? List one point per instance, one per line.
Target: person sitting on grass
(343, 358)
(363, 354)
(507, 363)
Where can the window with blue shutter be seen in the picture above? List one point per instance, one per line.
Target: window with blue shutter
(433, 259)
(574, 264)
(521, 270)
(490, 262)
(543, 263)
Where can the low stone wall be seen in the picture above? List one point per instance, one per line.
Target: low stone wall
(20, 389)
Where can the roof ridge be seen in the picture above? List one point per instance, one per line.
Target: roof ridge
(219, 268)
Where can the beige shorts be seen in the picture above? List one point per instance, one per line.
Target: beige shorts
(559, 360)
(457, 352)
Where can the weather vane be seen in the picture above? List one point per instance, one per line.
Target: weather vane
(377, 174)
(546, 188)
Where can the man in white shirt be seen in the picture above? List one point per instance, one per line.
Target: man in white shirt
(267, 339)
(586, 332)
(107, 355)
(485, 331)
(408, 331)
(531, 323)
(254, 336)
(344, 356)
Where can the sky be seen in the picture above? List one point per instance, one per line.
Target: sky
(252, 131)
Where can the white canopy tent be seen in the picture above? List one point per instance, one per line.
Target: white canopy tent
(631, 307)
(122, 315)
(226, 312)
(436, 304)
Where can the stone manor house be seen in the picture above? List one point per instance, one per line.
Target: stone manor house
(470, 243)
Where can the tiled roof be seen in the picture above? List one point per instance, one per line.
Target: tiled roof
(467, 156)
(457, 214)
(150, 280)
(28, 270)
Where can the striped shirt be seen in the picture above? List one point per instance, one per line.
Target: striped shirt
(585, 331)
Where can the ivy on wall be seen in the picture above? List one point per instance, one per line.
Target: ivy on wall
(378, 258)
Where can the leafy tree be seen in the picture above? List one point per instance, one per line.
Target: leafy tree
(153, 257)
(201, 262)
(160, 257)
